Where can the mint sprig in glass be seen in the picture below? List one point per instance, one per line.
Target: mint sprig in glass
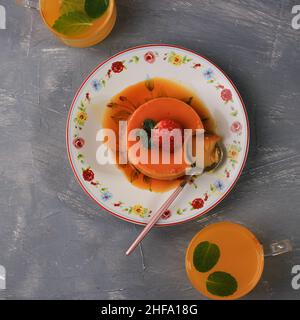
(78, 15)
(79, 23)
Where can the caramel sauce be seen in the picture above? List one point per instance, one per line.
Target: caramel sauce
(123, 105)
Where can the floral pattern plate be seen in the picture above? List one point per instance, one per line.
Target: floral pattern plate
(106, 184)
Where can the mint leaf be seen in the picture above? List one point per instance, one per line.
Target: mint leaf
(96, 8)
(71, 5)
(206, 255)
(148, 125)
(72, 23)
(221, 284)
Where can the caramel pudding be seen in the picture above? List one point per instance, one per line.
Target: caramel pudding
(160, 102)
(160, 111)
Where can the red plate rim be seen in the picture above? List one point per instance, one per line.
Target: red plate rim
(143, 47)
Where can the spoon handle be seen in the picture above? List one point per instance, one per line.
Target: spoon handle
(165, 206)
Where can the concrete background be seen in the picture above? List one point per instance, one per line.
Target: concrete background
(55, 243)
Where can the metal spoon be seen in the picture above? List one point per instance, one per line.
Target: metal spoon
(172, 197)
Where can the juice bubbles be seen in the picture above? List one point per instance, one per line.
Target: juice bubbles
(224, 261)
(79, 23)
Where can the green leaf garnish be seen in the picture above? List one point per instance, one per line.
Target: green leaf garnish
(206, 255)
(67, 6)
(143, 137)
(221, 284)
(72, 23)
(148, 125)
(96, 8)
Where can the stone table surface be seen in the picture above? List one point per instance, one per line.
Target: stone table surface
(56, 243)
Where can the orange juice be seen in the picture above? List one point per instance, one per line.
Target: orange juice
(79, 23)
(224, 261)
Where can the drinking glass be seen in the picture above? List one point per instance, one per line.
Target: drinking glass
(77, 23)
(225, 260)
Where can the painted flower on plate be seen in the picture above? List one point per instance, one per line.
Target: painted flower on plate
(236, 127)
(78, 143)
(197, 65)
(233, 152)
(96, 84)
(176, 59)
(106, 196)
(138, 210)
(88, 174)
(226, 95)
(117, 67)
(197, 203)
(81, 117)
(219, 185)
(208, 74)
(166, 215)
(149, 57)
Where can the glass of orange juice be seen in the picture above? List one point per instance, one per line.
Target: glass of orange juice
(77, 23)
(225, 260)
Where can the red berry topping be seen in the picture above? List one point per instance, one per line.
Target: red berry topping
(163, 130)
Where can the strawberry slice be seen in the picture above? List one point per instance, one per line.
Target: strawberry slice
(163, 131)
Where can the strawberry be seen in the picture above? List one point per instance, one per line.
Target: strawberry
(164, 129)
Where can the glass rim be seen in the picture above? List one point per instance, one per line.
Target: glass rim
(110, 10)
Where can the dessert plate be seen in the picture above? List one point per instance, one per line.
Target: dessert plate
(106, 184)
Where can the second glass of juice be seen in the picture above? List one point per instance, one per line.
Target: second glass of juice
(224, 261)
(79, 23)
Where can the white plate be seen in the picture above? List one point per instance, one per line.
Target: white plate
(106, 184)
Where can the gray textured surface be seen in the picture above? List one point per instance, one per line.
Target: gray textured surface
(54, 241)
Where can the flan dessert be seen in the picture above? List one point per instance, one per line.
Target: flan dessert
(162, 105)
(169, 114)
